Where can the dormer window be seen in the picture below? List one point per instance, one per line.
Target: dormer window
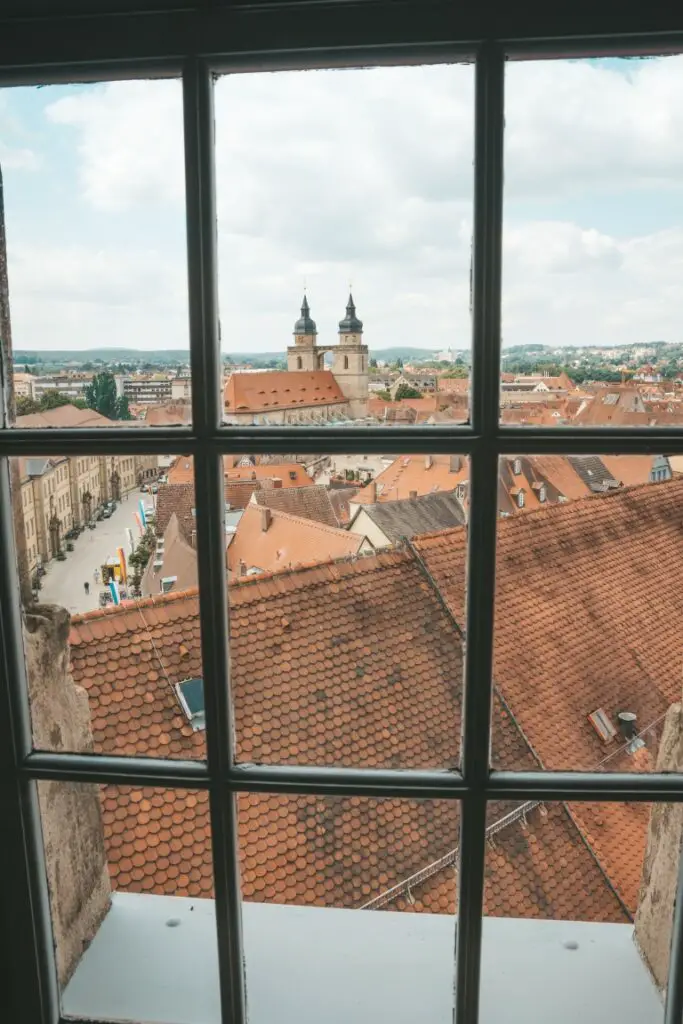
(520, 499)
(517, 467)
(542, 493)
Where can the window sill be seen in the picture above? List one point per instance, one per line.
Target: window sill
(313, 964)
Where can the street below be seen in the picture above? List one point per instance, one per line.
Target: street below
(63, 582)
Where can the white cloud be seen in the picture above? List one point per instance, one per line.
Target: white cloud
(130, 142)
(72, 296)
(21, 159)
(367, 176)
(567, 285)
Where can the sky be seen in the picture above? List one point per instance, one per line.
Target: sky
(327, 179)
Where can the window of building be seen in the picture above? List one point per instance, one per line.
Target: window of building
(203, 700)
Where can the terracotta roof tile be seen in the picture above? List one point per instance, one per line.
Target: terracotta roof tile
(268, 540)
(351, 663)
(588, 612)
(272, 391)
(311, 502)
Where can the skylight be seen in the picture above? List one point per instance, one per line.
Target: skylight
(191, 696)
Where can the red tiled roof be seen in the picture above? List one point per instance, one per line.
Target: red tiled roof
(171, 414)
(268, 539)
(272, 391)
(290, 474)
(178, 500)
(307, 502)
(588, 613)
(422, 473)
(65, 416)
(349, 663)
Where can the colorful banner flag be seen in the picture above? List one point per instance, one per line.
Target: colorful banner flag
(139, 522)
(131, 542)
(114, 591)
(142, 513)
(124, 568)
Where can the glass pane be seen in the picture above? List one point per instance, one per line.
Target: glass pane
(344, 239)
(107, 552)
(561, 896)
(130, 873)
(588, 608)
(306, 864)
(342, 651)
(95, 224)
(593, 233)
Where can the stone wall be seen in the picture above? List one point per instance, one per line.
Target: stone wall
(78, 879)
(660, 868)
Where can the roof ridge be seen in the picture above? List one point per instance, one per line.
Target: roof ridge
(379, 558)
(135, 603)
(315, 523)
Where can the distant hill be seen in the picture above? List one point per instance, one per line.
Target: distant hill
(174, 356)
(106, 355)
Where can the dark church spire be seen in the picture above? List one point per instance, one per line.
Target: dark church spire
(350, 324)
(304, 324)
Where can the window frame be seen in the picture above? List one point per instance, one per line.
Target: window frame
(484, 440)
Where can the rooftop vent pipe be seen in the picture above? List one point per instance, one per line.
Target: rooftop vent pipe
(627, 724)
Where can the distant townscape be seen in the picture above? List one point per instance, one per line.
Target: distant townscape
(346, 584)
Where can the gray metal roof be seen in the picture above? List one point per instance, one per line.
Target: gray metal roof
(593, 472)
(410, 516)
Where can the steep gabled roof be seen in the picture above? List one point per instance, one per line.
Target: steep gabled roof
(424, 514)
(352, 663)
(311, 502)
(588, 613)
(269, 540)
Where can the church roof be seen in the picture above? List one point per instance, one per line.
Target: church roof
(271, 391)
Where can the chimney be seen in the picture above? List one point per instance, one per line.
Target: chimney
(242, 568)
(277, 481)
(371, 491)
(627, 724)
(413, 495)
(654, 916)
(455, 463)
(428, 461)
(266, 519)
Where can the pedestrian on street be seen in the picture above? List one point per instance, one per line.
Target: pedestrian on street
(86, 587)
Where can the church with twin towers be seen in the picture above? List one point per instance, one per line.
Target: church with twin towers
(307, 392)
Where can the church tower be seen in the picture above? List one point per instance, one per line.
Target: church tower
(304, 354)
(350, 366)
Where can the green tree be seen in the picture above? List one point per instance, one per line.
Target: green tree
(25, 405)
(53, 399)
(384, 395)
(27, 369)
(122, 410)
(101, 396)
(405, 391)
(373, 364)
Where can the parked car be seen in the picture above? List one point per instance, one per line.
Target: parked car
(154, 488)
